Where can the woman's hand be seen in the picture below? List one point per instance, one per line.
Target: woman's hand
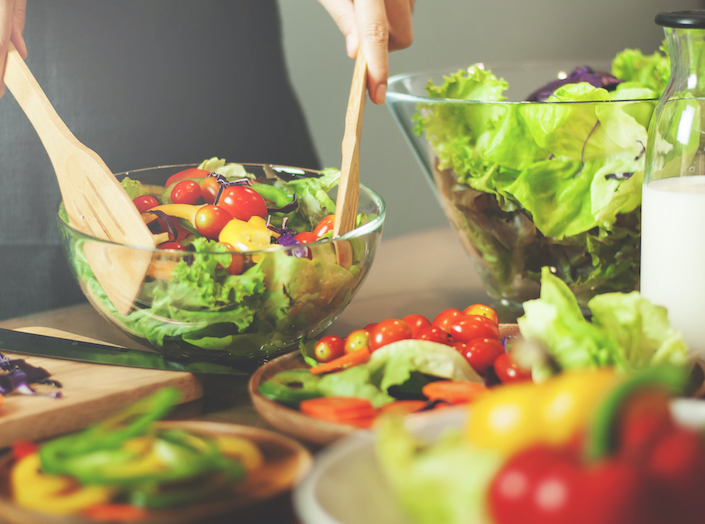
(12, 17)
(376, 27)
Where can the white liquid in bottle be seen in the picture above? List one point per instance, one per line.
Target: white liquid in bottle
(673, 253)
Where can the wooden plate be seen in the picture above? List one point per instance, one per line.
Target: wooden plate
(286, 463)
(295, 423)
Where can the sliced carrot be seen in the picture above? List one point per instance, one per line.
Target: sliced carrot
(402, 407)
(337, 409)
(115, 513)
(354, 358)
(459, 392)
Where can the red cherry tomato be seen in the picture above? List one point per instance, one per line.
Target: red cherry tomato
(243, 202)
(388, 331)
(357, 339)
(209, 189)
(186, 173)
(306, 237)
(145, 203)
(186, 192)
(508, 371)
(482, 352)
(467, 327)
(210, 220)
(416, 322)
(176, 246)
(483, 311)
(445, 318)
(329, 348)
(432, 333)
(237, 262)
(324, 226)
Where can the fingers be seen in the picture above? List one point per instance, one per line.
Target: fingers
(376, 27)
(12, 20)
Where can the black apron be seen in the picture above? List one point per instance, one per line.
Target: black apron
(143, 83)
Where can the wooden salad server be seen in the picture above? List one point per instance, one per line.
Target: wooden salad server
(349, 184)
(96, 203)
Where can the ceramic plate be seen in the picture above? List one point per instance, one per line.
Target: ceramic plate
(295, 423)
(286, 463)
(347, 486)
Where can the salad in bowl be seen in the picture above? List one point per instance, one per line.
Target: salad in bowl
(245, 265)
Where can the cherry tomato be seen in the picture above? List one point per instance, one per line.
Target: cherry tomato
(369, 327)
(192, 172)
(145, 203)
(416, 322)
(186, 192)
(482, 352)
(306, 237)
(243, 202)
(209, 189)
(445, 318)
(324, 226)
(237, 262)
(508, 371)
(467, 327)
(388, 331)
(329, 347)
(177, 246)
(483, 311)
(210, 220)
(432, 333)
(357, 339)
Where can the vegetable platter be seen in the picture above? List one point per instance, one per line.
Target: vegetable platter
(88, 392)
(133, 467)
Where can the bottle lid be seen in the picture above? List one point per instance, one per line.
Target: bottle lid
(682, 19)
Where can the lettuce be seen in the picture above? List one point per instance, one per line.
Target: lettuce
(563, 179)
(626, 331)
(397, 364)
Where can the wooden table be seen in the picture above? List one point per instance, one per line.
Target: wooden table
(424, 272)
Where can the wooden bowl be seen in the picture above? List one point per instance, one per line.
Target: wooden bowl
(293, 422)
(286, 463)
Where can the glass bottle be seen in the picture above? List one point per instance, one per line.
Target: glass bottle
(673, 194)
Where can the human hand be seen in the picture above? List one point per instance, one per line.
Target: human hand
(376, 27)
(12, 18)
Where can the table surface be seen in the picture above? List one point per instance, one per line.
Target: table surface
(423, 272)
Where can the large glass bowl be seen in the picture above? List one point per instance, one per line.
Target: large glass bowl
(277, 300)
(585, 227)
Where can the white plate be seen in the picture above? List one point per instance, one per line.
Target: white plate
(346, 485)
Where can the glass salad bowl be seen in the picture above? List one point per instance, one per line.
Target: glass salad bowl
(528, 182)
(194, 307)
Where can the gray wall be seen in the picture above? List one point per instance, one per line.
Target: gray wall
(447, 33)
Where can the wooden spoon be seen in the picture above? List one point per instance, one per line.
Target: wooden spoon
(95, 201)
(349, 185)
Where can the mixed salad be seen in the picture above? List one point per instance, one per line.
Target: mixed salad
(555, 183)
(123, 468)
(245, 265)
(590, 438)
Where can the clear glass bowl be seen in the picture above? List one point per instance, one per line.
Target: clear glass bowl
(277, 300)
(507, 242)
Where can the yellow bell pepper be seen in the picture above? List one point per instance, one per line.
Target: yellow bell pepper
(252, 235)
(514, 416)
(242, 449)
(53, 494)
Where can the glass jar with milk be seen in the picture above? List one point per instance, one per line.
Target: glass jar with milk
(673, 197)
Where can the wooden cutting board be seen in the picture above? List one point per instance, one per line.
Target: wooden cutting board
(90, 392)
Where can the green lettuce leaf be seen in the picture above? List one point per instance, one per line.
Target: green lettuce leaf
(395, 364)
(444, 481)
(627, 331)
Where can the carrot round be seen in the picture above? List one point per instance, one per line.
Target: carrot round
(354, 358)
(342, 410)
(402, 407)
(459, 392)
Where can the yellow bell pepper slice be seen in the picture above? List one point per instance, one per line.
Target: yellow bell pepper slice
(241, 448)
(52, 494)
(252, 235)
